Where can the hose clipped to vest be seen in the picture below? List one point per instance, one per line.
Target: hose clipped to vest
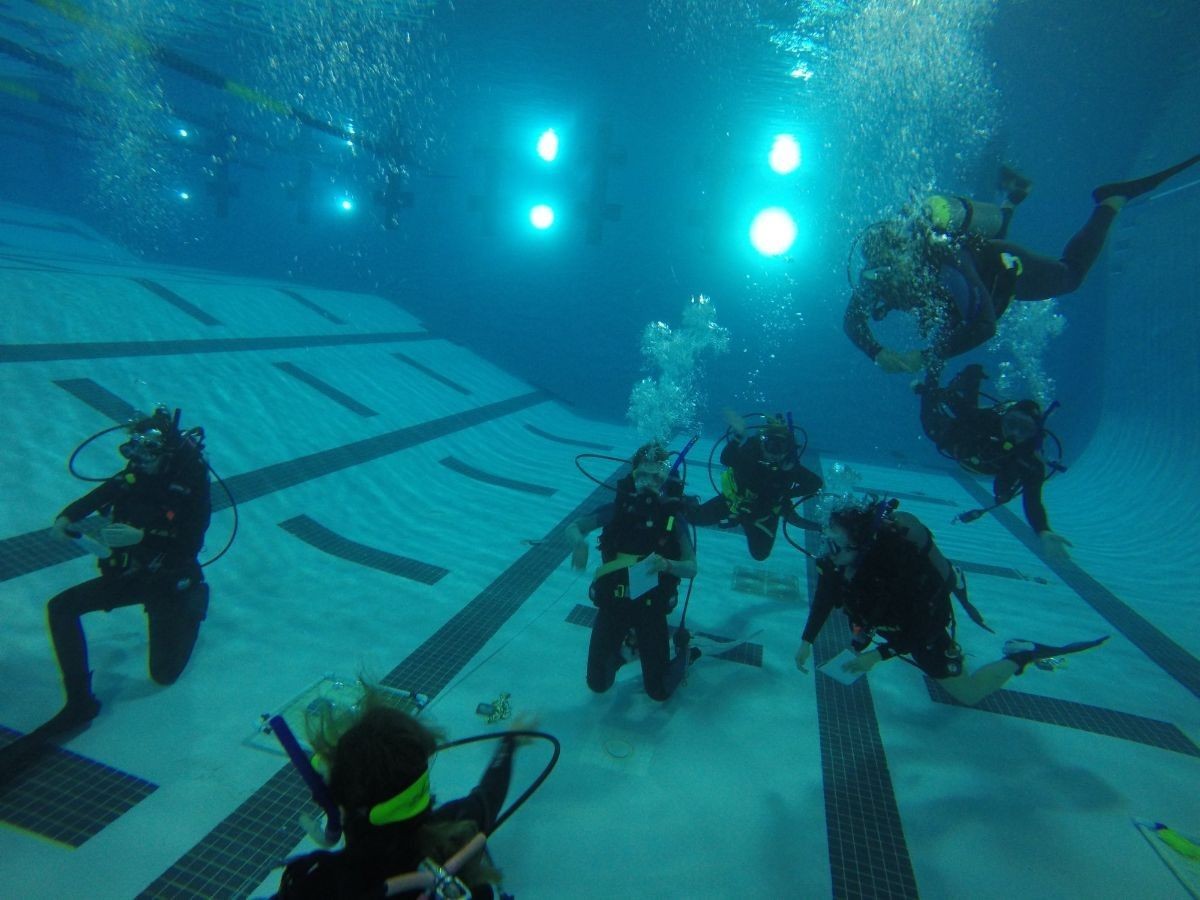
(442, 882)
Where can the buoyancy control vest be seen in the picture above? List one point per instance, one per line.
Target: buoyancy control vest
(904, 583)
(642, 523)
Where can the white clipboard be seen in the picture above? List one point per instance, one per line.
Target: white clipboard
(642, 578)
(834, 669)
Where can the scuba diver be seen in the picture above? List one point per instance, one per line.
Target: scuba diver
(155, 513)
(762, 481)
(951, 266)
(884, 569)
(645, 551)
(375, 762)
(1004, 440)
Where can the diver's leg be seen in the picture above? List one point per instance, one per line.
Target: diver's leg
(654, 652)
(934, 420)
(708, 513)
(970, 689)
(1016, 188)
(1042, 277)
(604, 649)
(941, 412)
(760, 533)
(174, 619)
(63, 613)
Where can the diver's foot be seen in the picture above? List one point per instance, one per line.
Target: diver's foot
(694, 654)
(1023, 652)
(1138, 186)
(1016, 187)
(75, 716)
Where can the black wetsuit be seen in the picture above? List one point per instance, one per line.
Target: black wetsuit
(762, 492)
(974, 436)
(964, 290)
(639, 523)
(375, 853)
(900, 591)
(161, 571)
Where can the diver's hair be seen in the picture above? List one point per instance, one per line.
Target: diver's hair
(374, 752)
(777, 426)
(1030, 408)
(884, 240)
(863, 520)
(378, 756)
(651, 451)
(161, 419)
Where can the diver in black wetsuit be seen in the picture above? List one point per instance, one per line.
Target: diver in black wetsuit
(378, 774)
(763, 478)
(1004, 440)
(645, 523)
(886, 572)
(158, 509)
(952, 267)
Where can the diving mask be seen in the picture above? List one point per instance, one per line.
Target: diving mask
(1018, 427)
(650, 476)
(144, 447)
(776, 447)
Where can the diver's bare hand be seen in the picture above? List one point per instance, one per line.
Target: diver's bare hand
(894, 362)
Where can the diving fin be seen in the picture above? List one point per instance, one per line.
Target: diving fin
(1139, 186)
(1016, 187)
(1023, 652)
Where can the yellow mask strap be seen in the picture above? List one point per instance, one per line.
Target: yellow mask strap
(410, 802)
(320, 766)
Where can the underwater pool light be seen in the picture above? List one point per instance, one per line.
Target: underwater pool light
(785, 154)
(547, 145)
(346, 204)
(773, 231)
(182, 132)
(184, 195)
(541, 217)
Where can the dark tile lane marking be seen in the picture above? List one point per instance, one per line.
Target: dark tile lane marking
(323, 387)
(308, 304)
(184, 306)
(456, 465)
(329, 541)
(18, 353)
(435, 375)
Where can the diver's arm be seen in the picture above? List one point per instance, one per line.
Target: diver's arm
(854, 323)
(482, 805)
(1031, 498)
(579, 529)
(737, 425)
(576, 532)
(99, 497)
(822, 605)
(805, 482)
